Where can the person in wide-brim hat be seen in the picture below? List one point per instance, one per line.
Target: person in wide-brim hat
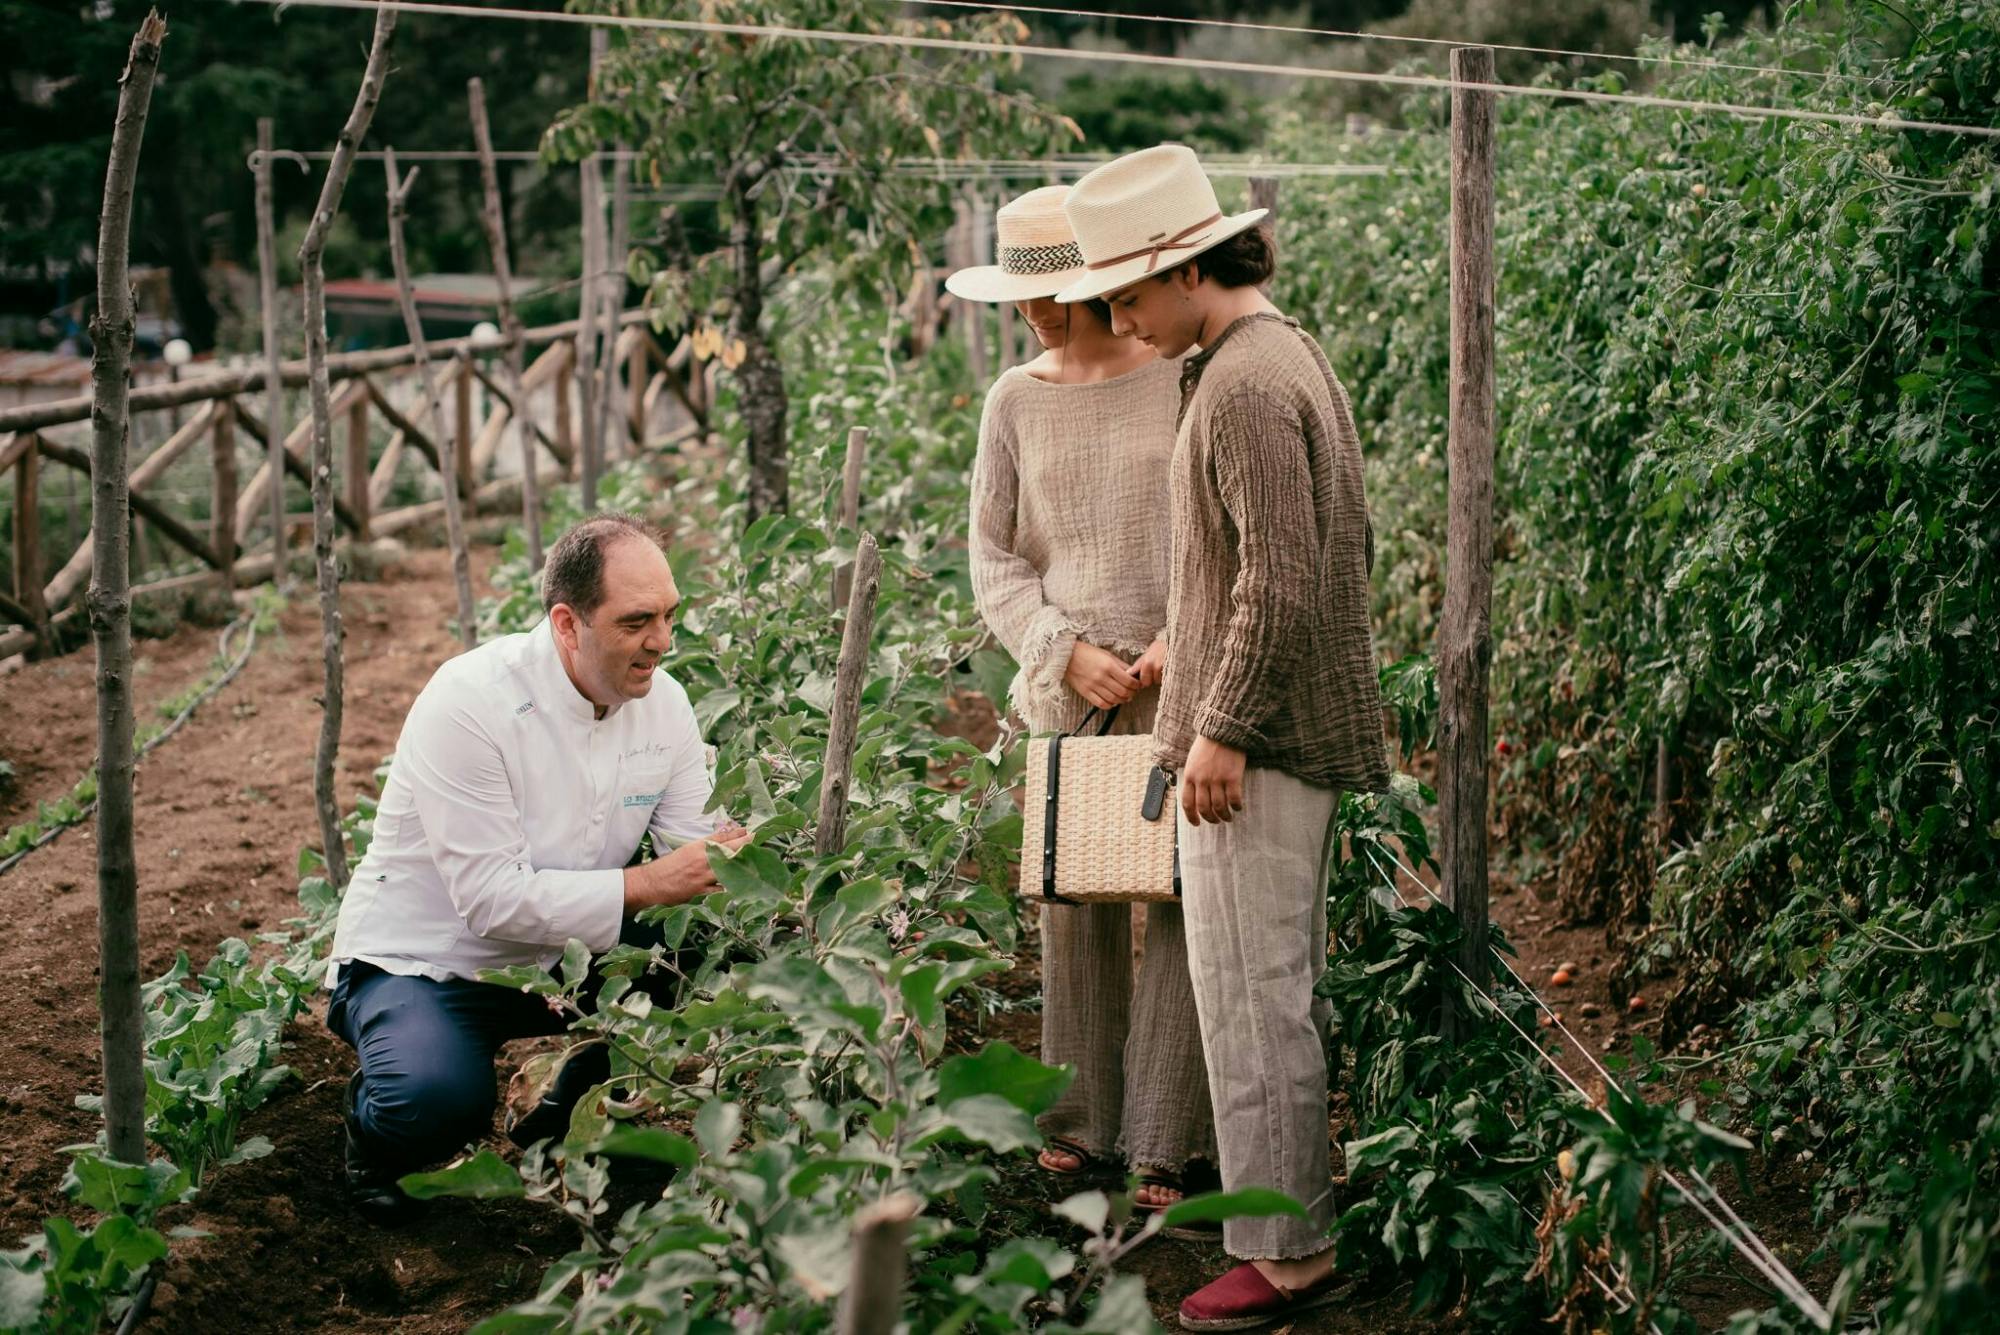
(1142, 213)
(1069, 555)
(1269, 707)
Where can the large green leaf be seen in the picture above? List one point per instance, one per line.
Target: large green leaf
(1246, 1203)
(484, 1176)
(1001, 1069)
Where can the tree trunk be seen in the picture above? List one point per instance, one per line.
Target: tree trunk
(446, 442)
(110, 605)
(311, 253)
(274, 383)
(759, 377)
(495, 218)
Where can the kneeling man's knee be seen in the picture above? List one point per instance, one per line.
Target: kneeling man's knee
(428, 1114)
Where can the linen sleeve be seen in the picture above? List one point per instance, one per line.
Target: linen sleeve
(1006, 588)
(472, 822)
(682, 813)
(1258, 452)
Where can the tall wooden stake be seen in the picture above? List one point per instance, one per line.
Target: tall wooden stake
(433, 389)
(1264, 195)
(848, 682)
(274, 384)
(311, 254)
(614, 255)
(849, 515)
(873, 1301)
(110, 605)
(1466, 636)
(495, 218)
(590, 180)
(222, 496)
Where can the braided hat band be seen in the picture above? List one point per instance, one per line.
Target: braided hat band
(1030, 261)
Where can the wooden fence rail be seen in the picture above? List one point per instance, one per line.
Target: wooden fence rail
(39, 603)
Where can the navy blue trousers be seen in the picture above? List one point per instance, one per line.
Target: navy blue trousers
(427, 1050)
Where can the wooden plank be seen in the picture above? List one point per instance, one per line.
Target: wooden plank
(222, 495)
(1264, 195)
(462, 423)
(173, 447)
(1465, 634)
(404, 426)
(565, 441)
(383, 480)
(499, 392)
(296, 466)
(15, 447)
(354, 466)
(180, 534)
(251, 502)
(487, 443)
(28, 540)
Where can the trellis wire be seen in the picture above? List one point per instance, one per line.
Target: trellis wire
(1426, 82)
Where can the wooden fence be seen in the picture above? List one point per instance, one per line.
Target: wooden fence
(39, 603)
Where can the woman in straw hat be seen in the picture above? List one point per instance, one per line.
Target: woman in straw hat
(1269, 706)
(1069, 567)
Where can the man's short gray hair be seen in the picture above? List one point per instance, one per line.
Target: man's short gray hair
(575, 570)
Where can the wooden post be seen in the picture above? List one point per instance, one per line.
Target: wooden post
(565, 428)
(355, 465)
(110, 605)
(590, 176)
(1465, 635)
(614, 250)
(1264, 195)
(495, 218)
(873, 1302)
(462, 420)
(848, 682)
(274, 384)
(311, 254)
(849, 514)
(971, 210)
(449, 474)
(222, 493)
(637, 372)
(28, 537)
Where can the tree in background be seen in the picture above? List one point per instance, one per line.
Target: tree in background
(234, 63)
(803, 141)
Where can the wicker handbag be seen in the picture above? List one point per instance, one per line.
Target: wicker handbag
(1098, 823)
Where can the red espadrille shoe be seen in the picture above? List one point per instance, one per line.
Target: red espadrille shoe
(1243, 1300)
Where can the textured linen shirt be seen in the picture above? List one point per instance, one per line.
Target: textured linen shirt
(511, 812)
(1069, 526)
(1268, 643)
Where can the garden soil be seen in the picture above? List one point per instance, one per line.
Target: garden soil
(222, 811)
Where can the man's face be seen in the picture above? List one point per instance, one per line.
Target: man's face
(1159, 311)
(614, 652)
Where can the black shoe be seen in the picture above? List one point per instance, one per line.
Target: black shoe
(549, 1118)
(371, 1188)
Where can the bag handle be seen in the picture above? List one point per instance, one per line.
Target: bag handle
(1110, 718)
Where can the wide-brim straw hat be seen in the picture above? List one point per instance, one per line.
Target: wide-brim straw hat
(1037, 254)
(1145, 213)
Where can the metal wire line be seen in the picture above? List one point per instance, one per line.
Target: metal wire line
(1751, 1245)
(1357, 35)
(965, 46)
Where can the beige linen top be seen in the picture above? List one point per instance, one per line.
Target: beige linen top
(1069, 528)
(1269, 646)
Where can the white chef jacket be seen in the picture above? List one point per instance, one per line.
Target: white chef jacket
(511, 811)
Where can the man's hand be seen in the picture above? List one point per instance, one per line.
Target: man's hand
(682, 874)
(1100, 676)
(1212, 782)
(1152, 664)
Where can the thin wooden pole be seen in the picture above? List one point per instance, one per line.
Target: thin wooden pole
(462, 420)
(311, 254)
(28, 542)
(614, 251)
(971, 209)
(274, 380)
(590, 175)
(1264, 195)
(565, 427)
(354, 466)
(222, 492)
(110, 604)
(849, 515)
(849, 679)
(1465, 636)
(495, 218)
(432, 386)
(873, 1301)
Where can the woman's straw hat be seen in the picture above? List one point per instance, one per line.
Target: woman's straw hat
(1144, 213)
(1037, 254)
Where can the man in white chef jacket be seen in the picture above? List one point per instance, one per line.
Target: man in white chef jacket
(526, 775)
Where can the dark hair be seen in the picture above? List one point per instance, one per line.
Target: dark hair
(1100, 308)
(575, 570)
(1244, 260)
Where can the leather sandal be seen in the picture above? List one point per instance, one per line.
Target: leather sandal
(1207, 1231)
(1244, 1300)
(1086, 1160)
